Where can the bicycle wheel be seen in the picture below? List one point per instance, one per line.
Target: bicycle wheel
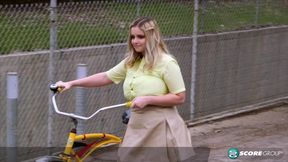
(49, 159)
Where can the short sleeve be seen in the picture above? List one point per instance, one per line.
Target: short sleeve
(173, 78)
(117, 73)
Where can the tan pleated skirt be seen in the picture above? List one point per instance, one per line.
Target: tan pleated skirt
(156, 134)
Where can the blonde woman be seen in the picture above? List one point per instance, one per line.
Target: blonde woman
(153, 82)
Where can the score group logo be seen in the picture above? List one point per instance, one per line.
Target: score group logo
(233, 153)
(270, 153)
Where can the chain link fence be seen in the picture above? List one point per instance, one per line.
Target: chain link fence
(87, 23)
(234, 68)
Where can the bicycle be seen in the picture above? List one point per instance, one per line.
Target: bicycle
(77, 149)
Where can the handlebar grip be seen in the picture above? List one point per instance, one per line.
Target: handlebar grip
(55, 88)
(128, 104)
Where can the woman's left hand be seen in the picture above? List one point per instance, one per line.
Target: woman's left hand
(140, 102)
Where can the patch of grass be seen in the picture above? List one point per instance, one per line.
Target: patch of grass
(23, 37)
(87, 24)
(235, 16)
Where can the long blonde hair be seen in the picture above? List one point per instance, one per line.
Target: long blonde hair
(155, 45)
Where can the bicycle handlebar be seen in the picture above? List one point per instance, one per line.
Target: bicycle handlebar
(57, 90)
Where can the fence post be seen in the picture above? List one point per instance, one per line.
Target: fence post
(11, 115)
(194, 58)
(138, 8)
(203, 12)
(81, 97)
(257, 12)
(51, 68)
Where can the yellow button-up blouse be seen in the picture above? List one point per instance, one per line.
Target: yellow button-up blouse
(164, 78)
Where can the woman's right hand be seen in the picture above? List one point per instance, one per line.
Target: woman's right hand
(64, 85)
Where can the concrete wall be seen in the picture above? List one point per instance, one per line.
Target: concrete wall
(237, 69)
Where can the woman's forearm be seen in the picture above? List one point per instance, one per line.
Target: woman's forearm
(95, 80)
(165, 100)
(168, 99)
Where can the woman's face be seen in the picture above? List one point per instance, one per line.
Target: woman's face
(138, 39)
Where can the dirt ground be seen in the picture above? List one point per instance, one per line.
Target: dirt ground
(255, 131)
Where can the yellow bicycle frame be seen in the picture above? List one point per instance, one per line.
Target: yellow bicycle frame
(69, 152)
